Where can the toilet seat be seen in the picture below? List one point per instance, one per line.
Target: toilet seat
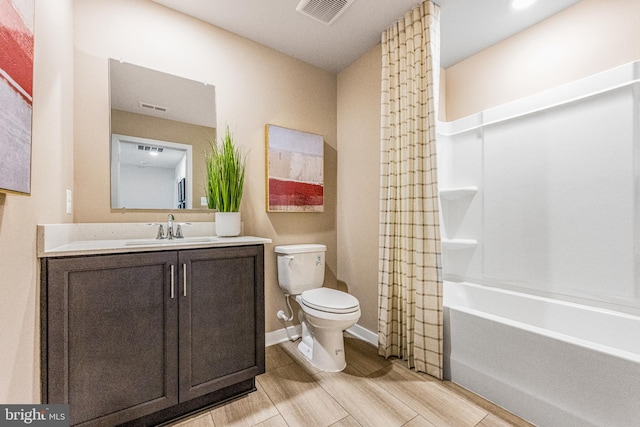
(330, 301)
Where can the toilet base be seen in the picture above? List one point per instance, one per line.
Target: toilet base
(306, 347)
(324, 349)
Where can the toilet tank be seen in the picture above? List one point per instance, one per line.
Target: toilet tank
(300, 267)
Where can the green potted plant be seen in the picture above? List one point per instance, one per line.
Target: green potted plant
(225, 182)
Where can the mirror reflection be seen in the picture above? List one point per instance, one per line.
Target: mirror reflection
(161, 126)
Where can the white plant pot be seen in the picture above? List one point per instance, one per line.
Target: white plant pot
(228, 224)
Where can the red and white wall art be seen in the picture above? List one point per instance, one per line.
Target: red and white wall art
(16, 94)
(295, 170)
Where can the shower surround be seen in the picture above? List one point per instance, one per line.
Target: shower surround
(540, 224)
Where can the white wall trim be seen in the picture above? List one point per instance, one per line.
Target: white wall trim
(294, 332)
(364, 334)
(281, 335)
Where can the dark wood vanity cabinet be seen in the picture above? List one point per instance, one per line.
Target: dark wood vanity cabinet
(142, 338)
(221, 326)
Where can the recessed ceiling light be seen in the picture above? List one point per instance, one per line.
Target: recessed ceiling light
(521, 4)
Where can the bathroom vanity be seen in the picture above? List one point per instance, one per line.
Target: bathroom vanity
(141, 332)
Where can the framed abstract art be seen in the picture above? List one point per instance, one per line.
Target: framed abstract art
(16, 94)
(295, 170)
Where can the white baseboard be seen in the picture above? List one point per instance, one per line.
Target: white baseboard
(282, 335)
(294, 332)
(364, 334)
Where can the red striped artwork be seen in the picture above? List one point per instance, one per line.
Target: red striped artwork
(16, 55)
(295, 170)
(292, 193)
(16, 94)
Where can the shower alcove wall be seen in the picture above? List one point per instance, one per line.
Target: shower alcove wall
(540, 234)
(541, 195)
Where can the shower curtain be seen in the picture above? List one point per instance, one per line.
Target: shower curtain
(409, 276)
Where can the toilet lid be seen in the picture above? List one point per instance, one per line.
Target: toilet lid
(330, 300)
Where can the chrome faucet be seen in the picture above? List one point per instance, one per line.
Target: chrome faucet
(170, 227)
(160, 234)
(171, 232)
(178, 233)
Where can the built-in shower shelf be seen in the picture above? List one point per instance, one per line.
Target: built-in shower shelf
(458, 244)
(458, 192)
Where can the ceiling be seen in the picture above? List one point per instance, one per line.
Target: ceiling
(467, 26)
(135, 89)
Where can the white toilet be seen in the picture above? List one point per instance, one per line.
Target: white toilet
(326, 313)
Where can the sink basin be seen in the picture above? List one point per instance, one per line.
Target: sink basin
(158, 242)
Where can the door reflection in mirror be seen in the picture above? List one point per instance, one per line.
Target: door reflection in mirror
(150, 174)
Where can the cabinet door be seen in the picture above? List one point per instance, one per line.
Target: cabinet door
(111, 336)
(221, 318)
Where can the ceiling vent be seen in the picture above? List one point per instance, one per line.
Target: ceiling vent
(325, 11)
(152, 107)
(150, 148)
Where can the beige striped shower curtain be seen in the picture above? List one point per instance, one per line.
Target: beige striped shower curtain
(409, 277)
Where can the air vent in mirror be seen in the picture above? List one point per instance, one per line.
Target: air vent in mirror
(152, 107)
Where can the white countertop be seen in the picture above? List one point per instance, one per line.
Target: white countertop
(56, 240)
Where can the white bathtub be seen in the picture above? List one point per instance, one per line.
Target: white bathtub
(551, 362)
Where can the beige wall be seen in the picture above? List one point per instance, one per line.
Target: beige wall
(254, 86)
(359, 177)
(589, 37)
(51, 175)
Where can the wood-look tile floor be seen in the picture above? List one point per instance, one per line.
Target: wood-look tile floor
(371, 391)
